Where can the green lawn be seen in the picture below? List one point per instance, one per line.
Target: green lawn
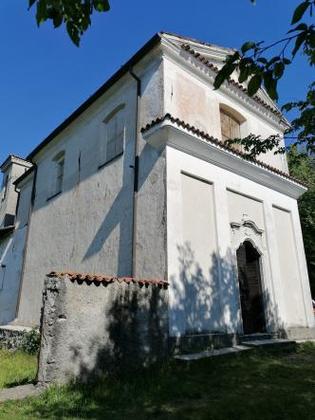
(251, 385)
(16, 368)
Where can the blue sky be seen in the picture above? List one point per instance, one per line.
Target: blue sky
(44, 77)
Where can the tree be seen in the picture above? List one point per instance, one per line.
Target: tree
(303, 166)
(257, 65)
(75, 14)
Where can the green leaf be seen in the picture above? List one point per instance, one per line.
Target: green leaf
(278, 69)
(41, 11)
(311, 39)
(286, 61)
(298, 43)
(244, 74)
(300, 27)
(101, 5)
(270, 85)
(224, 74)
(248, 46)
(254, 84)
(274, 60)
(262, 60)
(73, 33)
(299, 11)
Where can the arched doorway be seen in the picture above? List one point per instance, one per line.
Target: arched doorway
(249, 277)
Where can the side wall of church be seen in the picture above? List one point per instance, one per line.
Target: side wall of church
(88, 227)
(11, 259)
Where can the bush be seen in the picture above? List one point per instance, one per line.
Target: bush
(30, 341)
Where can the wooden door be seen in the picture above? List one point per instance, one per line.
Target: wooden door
(249, 277)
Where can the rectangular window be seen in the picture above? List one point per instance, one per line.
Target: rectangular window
(2, 275)
(114, 133)
(5, 186)
(58, 174)
(230, 127)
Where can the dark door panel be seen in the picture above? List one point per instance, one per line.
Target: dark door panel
(248, 262)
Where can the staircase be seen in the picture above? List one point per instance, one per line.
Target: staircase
(265, 340)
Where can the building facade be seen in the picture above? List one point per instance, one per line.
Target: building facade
(138, 182)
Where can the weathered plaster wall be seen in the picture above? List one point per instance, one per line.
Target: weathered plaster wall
(289, 268)
(89, 226)
(191, 98)
(150, 242)
(88, 330)
(257, 202)
(13, 171)
(11, 260)
(198, 283)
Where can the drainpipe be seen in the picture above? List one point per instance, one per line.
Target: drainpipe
(136, 174)
(26, 239)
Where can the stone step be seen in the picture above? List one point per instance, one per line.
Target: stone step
(211, 353)
(255, 337)
(273, 342)
(20, 392)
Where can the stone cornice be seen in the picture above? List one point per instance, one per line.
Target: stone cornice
(203, 69)
(170, 131)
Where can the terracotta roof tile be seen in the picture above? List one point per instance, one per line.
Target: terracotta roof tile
(98, 279)
(220, 144)
(211, 66)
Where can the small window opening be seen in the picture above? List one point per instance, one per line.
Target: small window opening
(5, 186)
(231, 122)
(114, 125)
(230, 126)
(59, 164)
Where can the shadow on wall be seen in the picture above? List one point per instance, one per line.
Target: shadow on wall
(209, 302)
(117, 327)
(120, 212)
(136, 336)
(91, 328)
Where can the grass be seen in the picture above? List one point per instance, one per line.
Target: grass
(251, 385)
(16, 368)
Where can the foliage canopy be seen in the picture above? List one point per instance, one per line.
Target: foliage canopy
(75, 14)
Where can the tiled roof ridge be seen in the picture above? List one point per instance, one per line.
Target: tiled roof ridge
(98, 279)
(211, 66)
(220, 144)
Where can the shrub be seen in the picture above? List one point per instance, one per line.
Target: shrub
(30, 341)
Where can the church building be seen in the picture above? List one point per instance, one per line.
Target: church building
(139, 182)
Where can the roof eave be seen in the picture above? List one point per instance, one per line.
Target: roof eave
(96, 95)
(175, 133)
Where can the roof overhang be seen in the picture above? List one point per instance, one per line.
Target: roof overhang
(23, 179)
(124, 69)
(12, 159)
(169, 133)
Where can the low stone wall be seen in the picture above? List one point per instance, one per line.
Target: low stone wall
(11, 337)
(91, 325)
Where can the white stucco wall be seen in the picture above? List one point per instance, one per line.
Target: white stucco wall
(189, 95)
(257, 201)
(88, 227)
(14, 169)
(12, 258)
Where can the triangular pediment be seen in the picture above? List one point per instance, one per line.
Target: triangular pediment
(216, 55)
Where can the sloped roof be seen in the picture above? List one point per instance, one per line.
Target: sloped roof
(97, 279)
(201, 50)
